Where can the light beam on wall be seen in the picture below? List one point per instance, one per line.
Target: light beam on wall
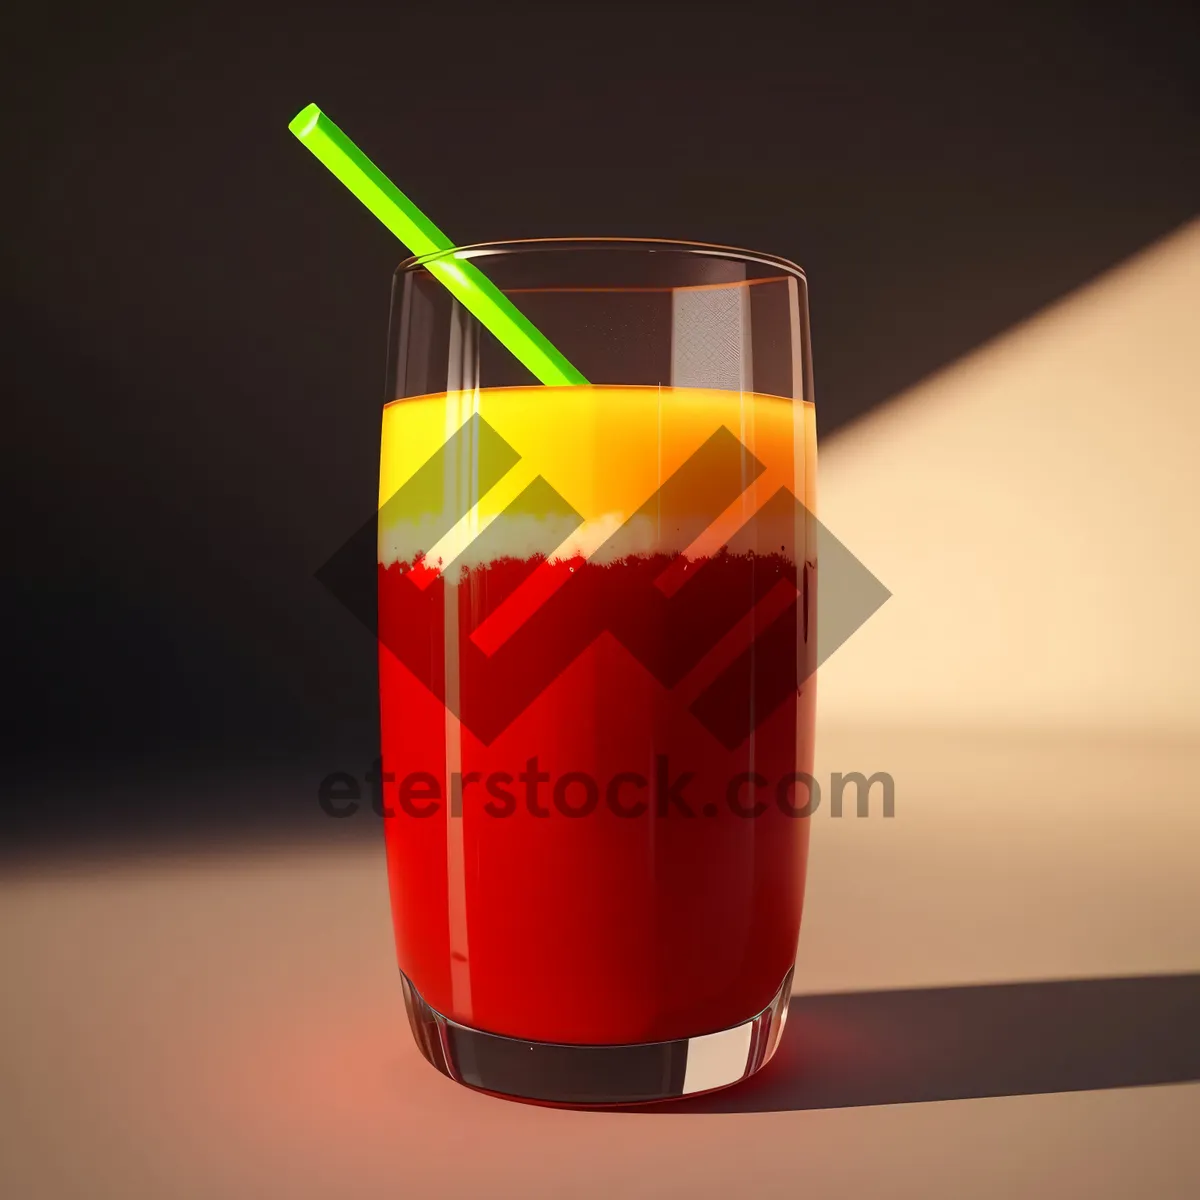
(1035, 511)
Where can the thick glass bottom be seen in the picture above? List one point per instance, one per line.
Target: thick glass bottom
(586, 1076)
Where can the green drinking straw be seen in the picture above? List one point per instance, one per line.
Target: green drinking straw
(461, 278)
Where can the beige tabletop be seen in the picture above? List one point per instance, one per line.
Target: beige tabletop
(228, 1023)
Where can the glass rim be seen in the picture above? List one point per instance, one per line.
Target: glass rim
(647, 245)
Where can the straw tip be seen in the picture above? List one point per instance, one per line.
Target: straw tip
(304, 122)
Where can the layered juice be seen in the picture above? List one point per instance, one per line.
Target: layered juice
(596, 622)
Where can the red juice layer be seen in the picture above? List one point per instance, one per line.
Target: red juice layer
(602, 880)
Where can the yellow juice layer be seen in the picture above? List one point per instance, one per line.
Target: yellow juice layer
(604, 449)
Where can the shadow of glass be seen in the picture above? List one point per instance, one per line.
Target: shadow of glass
(904, 1047)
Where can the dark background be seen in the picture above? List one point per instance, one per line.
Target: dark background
(195, 311)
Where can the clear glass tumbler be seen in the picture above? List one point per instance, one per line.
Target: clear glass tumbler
(597, 653)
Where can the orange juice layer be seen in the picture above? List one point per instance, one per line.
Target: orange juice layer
(603, 449)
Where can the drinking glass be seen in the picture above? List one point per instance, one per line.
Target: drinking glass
(597, 615)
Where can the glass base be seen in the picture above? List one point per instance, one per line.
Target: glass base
(585, 1076)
